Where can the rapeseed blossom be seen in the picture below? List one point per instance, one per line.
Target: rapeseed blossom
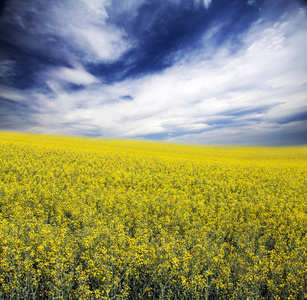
(87, 218)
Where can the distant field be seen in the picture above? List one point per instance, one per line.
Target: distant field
(84, 218)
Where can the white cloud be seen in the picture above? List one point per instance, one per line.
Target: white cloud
(76, 76)
(105, 44)
(73, 29)
(84, 25)
(198, 3)
(207, 3)
(12, 94)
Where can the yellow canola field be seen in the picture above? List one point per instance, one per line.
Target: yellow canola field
(85, 218)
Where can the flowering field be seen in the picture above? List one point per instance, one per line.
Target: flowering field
(84, 218)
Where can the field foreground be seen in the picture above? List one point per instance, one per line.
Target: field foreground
(86, 218)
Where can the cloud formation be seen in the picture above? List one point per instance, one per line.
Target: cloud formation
(75, 76)
(206, 83)
(72, 29)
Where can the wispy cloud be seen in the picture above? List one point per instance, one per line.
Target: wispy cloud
(207, 3)
(76, 29)
(11, 94)
(75, 76)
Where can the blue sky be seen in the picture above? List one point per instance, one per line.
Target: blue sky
(191, 71)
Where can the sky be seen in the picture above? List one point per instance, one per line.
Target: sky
(188, 71)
